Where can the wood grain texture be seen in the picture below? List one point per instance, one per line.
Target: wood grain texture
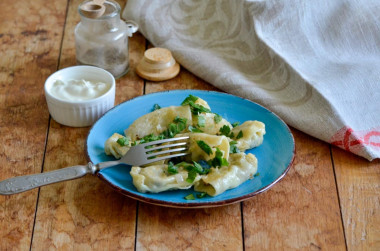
(29, 49)
(162, 228)
(359, 191)
(301, 212)
(84, 214)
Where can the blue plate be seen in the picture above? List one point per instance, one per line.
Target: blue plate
(274, 156)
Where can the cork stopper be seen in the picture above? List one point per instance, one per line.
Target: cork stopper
(92, 9)
(157, 64)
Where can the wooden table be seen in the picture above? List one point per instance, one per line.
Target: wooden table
(329, 200)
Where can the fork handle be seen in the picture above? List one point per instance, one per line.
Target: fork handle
(24, 183)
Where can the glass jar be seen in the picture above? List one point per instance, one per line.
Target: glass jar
(103, 41)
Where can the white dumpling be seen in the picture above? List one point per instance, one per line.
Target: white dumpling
(214, 141)
(111, 147)
(155, 179)
(202, 102)
(253, 134)
(210, 127)
(241, 168)
(158, 121)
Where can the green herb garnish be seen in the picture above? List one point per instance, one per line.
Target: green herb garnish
(192, 174)
(190, 197)
(180, 120)
(225, 130)
(172, 169)
(194, 129)
(206, 148)
(178, 125)
(217, 118)
(201, 121)
(240, 135)
(181, 124)
(256, 174)
(233, 147)
(201, 195)
(195, 108)
(150, 137)
(156, 107)
(174, 128)
(199, 169)
(218, 161)
(124, 141)
(192, 169)
(190, 98)
(235, 124)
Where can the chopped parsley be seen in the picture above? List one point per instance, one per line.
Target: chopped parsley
(235, 124)
(189, 99)
(225, 130)
(240, 135)
(233, 147)
(149, 138)
(218, 161)
(195, 108)
(217, 118)
(172, 169)
(204, 164)
(171, 131)
(156, 107)
(192, 169)
(124, 141)
(192, 174)
(178, 125)
(206, 148)
(174, 128)
(190, 197)
(256, 174)
(199, 168)
(194, 129)
(180, 120)
(201, 195)
(201, 121)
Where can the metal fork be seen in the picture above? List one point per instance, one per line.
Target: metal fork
(138, 155)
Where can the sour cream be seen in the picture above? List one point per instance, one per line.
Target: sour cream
(78, 90)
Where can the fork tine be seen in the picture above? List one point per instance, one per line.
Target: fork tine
(139, 155)
(164, 146)
(148, 161)
(163, 141)
(166, 151)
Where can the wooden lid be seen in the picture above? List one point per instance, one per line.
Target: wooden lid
(158, 55)
(157, 64)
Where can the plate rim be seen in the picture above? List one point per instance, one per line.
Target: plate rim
(190, 205)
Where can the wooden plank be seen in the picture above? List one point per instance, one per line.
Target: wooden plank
(29, 49)
(359, 191)
(162, 228)
(301, 212)
(84, 214)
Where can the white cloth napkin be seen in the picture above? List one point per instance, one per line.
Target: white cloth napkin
(314, 63)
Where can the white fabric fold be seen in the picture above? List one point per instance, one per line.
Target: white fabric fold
(314, 63)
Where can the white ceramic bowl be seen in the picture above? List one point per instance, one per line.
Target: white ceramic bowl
(85, 112)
